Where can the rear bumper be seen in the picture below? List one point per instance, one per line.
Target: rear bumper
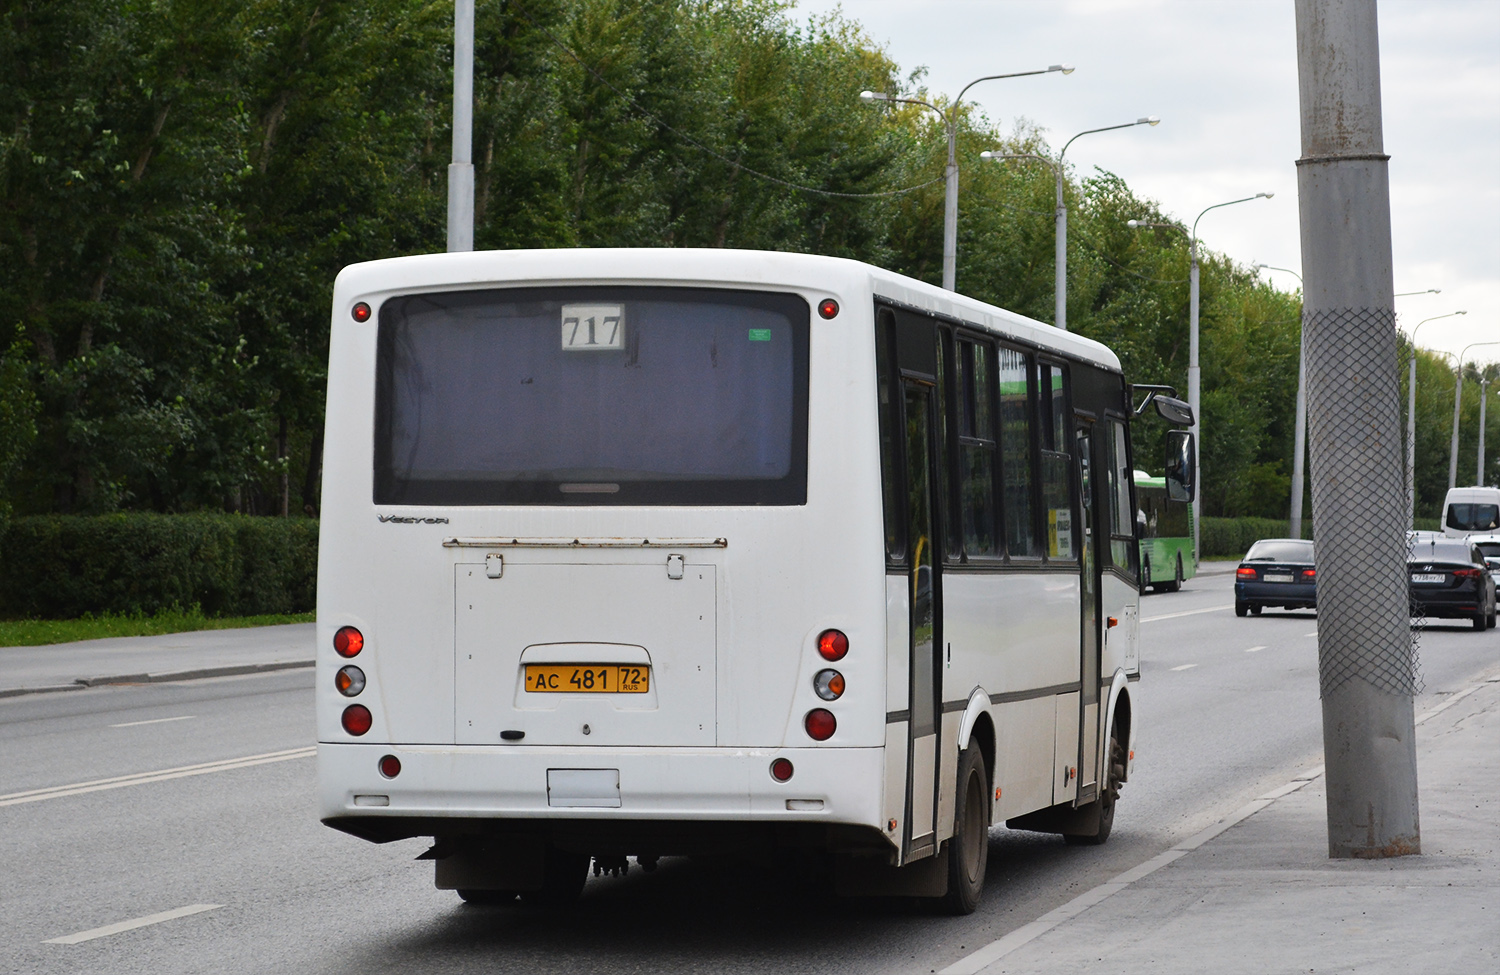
(1449, 604)
(445, 786)
(1287, 594)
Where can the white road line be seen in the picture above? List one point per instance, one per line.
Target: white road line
(1185, 667)
(141, 778)
(1191, 612)
(1254, 649)
(1313, 633)
(995, 950)
(140, 922)
(137, 724)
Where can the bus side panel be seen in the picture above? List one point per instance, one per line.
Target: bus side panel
(1026, 733)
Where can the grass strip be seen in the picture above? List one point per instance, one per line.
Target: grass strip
(31, 633)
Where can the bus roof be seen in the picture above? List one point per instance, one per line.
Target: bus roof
(709, 267)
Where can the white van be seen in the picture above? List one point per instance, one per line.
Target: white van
(1471, 511)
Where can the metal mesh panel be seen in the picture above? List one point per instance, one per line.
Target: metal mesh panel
(1358, 500)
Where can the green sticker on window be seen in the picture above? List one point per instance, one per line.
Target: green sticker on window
(760, 335)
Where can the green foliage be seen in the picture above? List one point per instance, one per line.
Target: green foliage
(64, 566)
(1234, 536)
(180, 181)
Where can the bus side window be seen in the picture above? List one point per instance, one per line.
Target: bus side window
(1057, 496)
(976, 448)
(890, 476)
(1015, 454)
(1122, 547)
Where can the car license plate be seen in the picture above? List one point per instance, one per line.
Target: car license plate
(587, 679)
(1277, 577)
(1428, 577)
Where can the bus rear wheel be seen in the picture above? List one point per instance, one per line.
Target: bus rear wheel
(563, 880)
(969, 849)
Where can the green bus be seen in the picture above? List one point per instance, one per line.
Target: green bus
(1166, 533)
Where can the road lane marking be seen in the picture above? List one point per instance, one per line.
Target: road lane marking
(1254, 649)
(137, 724)
(140, 922)
(1313, 633)
(162, 775)
(1184, 667)
(1191, 612)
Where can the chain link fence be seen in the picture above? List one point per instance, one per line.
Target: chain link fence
(1359, 499)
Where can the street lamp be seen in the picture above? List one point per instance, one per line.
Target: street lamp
(1060, 244)
(1193, 372)
(1299, 438)
(1411, 420)
(950, 128)
(1458, 389)
(1479, 467)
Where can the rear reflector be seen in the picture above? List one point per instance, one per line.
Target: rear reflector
(820, 724)
(357, 719)
(781, 770)
(390, 766)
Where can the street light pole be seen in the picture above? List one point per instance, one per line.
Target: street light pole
(461, 169)
(950, 129)
(1479, 466)
(1458, 391)
(1411, 421)
(1060, 238)
(1194, 374)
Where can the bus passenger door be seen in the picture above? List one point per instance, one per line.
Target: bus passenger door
(1088, 731)
(923, 765)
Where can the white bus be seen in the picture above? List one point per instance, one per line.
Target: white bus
(642, 553)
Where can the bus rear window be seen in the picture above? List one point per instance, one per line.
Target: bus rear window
(592, 395)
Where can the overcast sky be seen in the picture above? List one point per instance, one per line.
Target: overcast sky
(1223, 78)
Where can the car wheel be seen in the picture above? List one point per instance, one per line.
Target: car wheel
(1255, 609)
(1177, 579)
(1241, 607)
(969, 849)
(1145, 575)
(1481, 622)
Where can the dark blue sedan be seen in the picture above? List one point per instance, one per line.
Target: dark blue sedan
(1276, 572)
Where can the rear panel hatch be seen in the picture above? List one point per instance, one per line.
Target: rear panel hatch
(569, 625)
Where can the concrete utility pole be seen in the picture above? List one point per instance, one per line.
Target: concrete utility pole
(1365, 666)
(1458, 395)
(1479, 467)
(461, 170)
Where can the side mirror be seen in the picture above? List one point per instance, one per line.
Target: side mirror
(1173, 410)
(1182, 455)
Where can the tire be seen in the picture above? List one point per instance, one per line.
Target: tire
(1146, 575)
(969, 849)
(487, 897)
(1481, 622)
(1255, 609)
(1241, 607)
(563, 880)
(1178, 578)
(1109, 794)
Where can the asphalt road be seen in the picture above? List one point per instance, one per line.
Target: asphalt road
(1228, 708)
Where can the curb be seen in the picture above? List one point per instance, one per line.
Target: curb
(162, 677)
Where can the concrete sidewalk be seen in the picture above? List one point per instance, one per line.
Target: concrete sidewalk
(143, 659)
(1260, 894)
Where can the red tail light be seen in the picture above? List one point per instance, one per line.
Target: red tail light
(348, 641)
(357, 719)
(828, 308)
(1468, 573)
(360, 312)
(1244, 572)
(820, 724)
(832, 644)
(1309, 573)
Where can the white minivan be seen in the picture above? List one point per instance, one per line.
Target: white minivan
(1471, 511)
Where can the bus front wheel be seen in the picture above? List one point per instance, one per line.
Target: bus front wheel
(969, 849)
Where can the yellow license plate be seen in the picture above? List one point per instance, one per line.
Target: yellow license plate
(588, 678)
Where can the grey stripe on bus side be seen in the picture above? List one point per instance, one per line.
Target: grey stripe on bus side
(1013, 696)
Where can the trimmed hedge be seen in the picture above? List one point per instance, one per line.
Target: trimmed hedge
(63, 566)
(1234, 536)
